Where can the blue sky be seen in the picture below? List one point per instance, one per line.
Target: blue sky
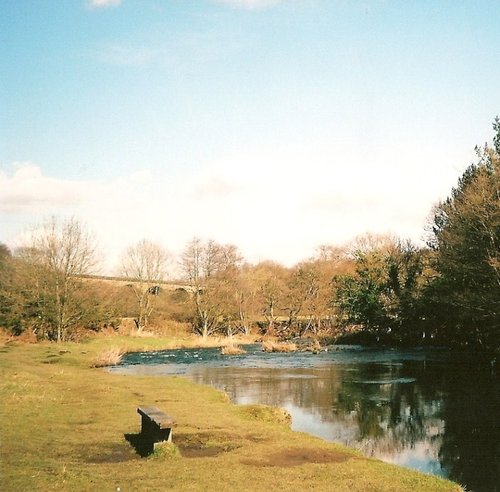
(274, 125)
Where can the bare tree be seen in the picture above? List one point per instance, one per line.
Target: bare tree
(146, 264)
(368, 242)
(196, 263)
(191, 262)
(270, 278)
(330, 261)
(302, 288)
(59, 252)
(245, 294)
(211, 269)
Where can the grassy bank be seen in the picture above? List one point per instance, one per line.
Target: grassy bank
(67, 426)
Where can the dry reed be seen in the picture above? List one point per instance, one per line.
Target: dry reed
(109, 357)
(272, 346)
(231, 349)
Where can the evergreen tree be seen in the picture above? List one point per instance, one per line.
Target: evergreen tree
(464, 298)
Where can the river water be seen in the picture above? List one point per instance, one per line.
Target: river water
(427, 409)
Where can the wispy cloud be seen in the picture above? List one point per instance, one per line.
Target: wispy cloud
(215, 187)
(188, 51)
(250, 4)
(97, 4)
(116, 54)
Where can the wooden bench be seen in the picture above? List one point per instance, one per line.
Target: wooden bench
(156, 426)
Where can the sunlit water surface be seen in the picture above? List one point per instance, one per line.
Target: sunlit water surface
(426, 409)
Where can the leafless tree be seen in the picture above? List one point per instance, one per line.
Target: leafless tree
(211, 269)
(59, 252)
(270, 278)
(146, 265)
(369, 242)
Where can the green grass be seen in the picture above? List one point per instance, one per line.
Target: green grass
(64, 426)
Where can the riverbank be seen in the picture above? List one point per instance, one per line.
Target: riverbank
(67, 426)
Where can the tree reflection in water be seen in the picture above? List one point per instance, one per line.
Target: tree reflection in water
(438, 416)
(424, 409)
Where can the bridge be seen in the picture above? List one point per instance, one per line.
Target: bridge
(124, 281)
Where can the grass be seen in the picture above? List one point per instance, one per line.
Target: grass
(313, 347)
(273, 346)
(67, 427)
(266, 413)
(231, 348)
(151, 342)
(166, 451)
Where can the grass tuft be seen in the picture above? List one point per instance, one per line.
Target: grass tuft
(109, 357)
(165, 451)
(272, 346)
(266, 413)
(231, 349)
(313, 347)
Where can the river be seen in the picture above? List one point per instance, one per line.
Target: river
(432, 410)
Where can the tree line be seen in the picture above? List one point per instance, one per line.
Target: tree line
(376, 288)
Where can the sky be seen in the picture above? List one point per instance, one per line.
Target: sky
(274, 125)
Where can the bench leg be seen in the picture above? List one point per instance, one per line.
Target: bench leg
(147, 427)
(163, 438)
(164, 435)
(151, 432)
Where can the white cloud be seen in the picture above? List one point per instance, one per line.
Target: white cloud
(96, 4)
(28, 191)
(274, 202)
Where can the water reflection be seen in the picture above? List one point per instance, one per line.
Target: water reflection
(426, 410)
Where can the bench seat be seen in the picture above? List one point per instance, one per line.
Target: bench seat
(156, 425)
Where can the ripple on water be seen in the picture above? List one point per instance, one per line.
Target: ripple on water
(385, 381)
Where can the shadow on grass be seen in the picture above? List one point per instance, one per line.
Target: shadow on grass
(112, 453)
(143, 446)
